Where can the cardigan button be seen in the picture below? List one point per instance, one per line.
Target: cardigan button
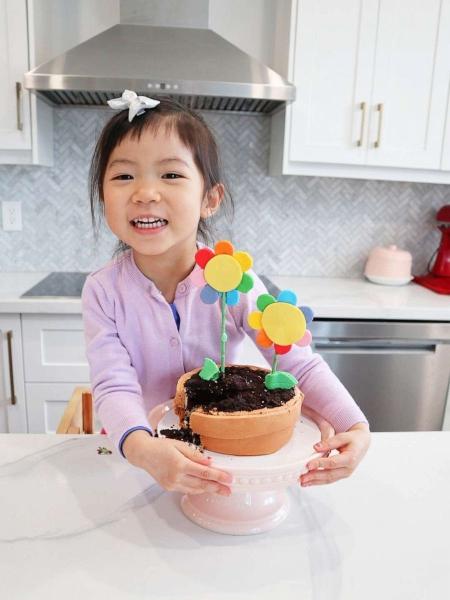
(173, 342)
(182, 288)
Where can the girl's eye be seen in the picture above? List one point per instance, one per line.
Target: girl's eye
(171, 176)
(125, 177)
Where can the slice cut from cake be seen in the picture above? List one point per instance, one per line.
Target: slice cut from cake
(236, 414)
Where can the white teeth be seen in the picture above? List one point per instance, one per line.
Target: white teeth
(149, 223)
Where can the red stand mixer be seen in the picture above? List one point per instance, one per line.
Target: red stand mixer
(438, 278)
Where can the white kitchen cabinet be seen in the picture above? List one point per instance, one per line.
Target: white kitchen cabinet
(46, 405)
(446, 149)
(54, 348)
(15, 131)
(13, 414)
(410, 85)
(32, 32)
(26, 123)
(54, 364)
(372, 83)
(332, 69)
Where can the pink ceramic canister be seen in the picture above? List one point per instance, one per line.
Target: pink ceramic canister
(389, 266)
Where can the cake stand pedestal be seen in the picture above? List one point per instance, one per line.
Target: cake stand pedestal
(259, 500)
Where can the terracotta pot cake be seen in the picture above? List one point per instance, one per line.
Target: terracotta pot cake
(236, 414)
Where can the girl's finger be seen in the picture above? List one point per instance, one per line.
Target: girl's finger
(208, 473)
(200, 486)
(184, 489)
(192, 452)
(337, 461)
(333, 443)
(323, 477)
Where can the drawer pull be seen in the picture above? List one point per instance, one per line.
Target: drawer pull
(362, 107)
(9, 335)
(380, 109)
(19, 105)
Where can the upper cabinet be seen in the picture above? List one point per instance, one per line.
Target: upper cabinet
(372, 80)
(15, 127)
(32, 32)
(411, 75)
(446, 150)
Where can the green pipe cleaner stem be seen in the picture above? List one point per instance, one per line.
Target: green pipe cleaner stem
(274, 363)
(223, 337)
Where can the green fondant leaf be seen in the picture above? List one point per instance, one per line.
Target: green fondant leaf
(210, 371)
(279, 380)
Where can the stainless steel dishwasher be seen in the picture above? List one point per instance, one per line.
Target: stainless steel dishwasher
(398, 372)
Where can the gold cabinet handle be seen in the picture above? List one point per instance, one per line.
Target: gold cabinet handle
(19, 105)
(362, 107)
(9, 335)
(379, 108)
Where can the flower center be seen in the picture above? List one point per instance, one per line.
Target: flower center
(223, 273)
(283, 323)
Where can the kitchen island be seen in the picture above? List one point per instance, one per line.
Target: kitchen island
(78, 524)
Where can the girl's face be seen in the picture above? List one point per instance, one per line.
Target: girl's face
(153, 194)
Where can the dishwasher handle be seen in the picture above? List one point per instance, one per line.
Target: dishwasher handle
(353, 345)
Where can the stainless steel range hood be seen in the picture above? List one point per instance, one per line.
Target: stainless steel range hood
(197, 66)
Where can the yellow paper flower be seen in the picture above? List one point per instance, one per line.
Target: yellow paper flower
(280, 322)
(224, 271)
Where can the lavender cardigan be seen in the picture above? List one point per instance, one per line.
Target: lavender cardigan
(136, 352)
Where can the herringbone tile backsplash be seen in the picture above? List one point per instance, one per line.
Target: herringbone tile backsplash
(306, 226)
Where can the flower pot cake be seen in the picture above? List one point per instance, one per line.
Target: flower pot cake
(242, 409)
(236, 414)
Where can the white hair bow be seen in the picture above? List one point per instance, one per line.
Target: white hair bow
(136, 104)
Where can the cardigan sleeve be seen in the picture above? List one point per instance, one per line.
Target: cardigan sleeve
(322, 389)
(115, 387)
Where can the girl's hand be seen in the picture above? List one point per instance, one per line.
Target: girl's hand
(176, 466)
(351, 445)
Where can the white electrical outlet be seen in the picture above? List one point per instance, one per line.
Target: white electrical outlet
(12, 216)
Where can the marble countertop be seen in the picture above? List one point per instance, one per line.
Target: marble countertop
(360, 299)
(332, 298)
(77, 524)
(13, 285)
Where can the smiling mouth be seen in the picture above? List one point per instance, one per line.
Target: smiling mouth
(147, 223)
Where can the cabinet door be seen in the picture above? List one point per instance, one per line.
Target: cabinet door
(332, 70)
(411, 78)
(14, 100)
(46, 404)
(445, 164)
(13, 415)
(54, 348)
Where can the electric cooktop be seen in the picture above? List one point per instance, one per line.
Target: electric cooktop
(70, 285)
(58, 284)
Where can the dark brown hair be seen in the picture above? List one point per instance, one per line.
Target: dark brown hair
(193, 132)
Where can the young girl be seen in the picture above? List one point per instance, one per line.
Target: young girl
(155, 176)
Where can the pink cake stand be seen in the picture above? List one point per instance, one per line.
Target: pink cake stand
(259, 500)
